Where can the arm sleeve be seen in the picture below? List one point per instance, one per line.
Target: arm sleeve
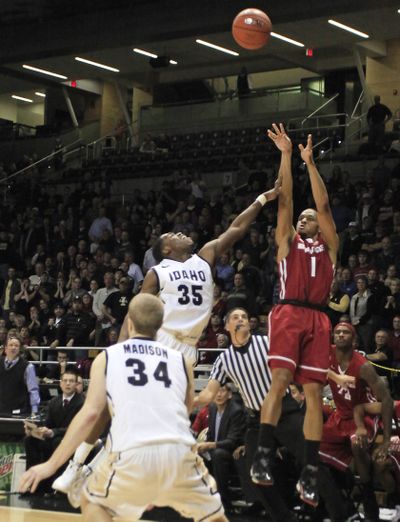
(33, 387)
(218, 373)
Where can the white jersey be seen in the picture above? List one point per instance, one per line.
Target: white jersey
(146, 387)
(186, 289)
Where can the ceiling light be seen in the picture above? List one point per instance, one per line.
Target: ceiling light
(145, 53)
(41, 94)
(173, 62)
(217, 47)
(347, 28)
(21, 98)
(286, 39)
(96, 64)
(43, 71)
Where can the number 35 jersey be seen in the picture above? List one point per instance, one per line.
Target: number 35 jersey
(186, 289)
(306, 273)
(146, 386)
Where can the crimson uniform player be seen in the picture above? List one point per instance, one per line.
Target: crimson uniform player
(298, 328)
(348, 433)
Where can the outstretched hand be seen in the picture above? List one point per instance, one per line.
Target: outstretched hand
(280, 138)
(307, 152)
(274, 192)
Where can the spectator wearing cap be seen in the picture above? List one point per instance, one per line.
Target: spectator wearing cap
(351, 243)
(54, 328)
(361, 309)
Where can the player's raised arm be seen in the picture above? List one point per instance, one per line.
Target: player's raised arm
(284, 230)
(238, 228)
(321, 198)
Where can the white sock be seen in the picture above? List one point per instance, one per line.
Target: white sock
(82, 451)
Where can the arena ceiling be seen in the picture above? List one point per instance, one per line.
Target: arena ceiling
(49, 34)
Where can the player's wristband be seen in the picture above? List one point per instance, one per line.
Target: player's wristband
(261, 199)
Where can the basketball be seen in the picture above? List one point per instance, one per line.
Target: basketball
(251, 29)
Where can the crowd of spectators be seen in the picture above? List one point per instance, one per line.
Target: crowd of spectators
(70, 264)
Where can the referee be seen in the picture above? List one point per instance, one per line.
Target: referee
(245, 364)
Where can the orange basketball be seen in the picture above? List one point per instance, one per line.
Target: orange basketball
(251, 28)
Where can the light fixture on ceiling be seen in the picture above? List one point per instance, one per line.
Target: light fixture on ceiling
(217, 47)
(96, 64)
(21, 98)
(287, 39)
(348, 28)
(41, 94)
(43, 71)
(145, 53)
(151, 55)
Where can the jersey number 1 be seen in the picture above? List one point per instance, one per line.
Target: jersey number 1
(140, 377)
(313, 266)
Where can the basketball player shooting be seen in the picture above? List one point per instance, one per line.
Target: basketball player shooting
(299, 330)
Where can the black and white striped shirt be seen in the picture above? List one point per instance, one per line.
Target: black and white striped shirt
(247, 368)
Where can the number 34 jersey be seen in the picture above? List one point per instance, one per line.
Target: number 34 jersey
(186, 289)
(146, 386)
(306, 273)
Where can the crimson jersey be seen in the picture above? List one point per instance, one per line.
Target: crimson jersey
(306, 273)
(359, 393)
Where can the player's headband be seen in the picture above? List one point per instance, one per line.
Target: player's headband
(348, 326)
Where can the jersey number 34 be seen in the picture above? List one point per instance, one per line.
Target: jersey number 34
(141, 378)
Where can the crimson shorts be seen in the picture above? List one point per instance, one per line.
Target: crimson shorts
(300, 340)
(337, 434)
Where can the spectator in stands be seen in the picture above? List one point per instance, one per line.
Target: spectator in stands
(361, 313)
(208, 338)
(338, 304)
(254, 323)
(346, 282)
(391, 305)
(134, 271)
(102, 321)
(251, 275)
(148, 145)
(200, 422)
(377, 116)
(101, 223)
(75, 291)
(367, 209)
(219, 301)
(53, 331)
(240, 296)
(351, 243)
(79, 328)
(363, 265)
(148, 259)
(381, 353)
(10, 289)
(40, 442)
(116, 304)
(226, 426)
(56, 371)
(224, 273)
(341, 213)
(19, 389)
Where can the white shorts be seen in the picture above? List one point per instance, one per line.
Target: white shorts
(163, 475)
(189, 352)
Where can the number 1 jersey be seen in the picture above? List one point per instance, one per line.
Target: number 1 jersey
(186, 289)
(306, 273)
(146, 386)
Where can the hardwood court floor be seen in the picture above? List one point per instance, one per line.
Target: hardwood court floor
(10, 514)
